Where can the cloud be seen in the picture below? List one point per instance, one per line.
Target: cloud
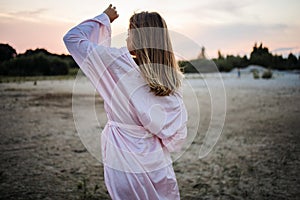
(283, 49)
(25, 15)
(32, 13)
(229, 6)
(219, 10)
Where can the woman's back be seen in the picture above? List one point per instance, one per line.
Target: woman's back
(143, 127)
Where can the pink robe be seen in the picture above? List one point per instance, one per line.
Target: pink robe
(142, 128)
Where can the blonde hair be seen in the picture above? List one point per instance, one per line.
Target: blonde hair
(151, 44)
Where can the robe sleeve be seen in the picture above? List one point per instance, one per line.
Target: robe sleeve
(174, 134)
(166, 120)
(83, 38)
(89, 45)
(175, 142)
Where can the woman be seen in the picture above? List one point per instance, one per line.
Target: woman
(142, 98)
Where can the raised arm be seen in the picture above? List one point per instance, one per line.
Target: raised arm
(81, 39)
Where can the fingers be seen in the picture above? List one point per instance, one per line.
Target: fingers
(112, 7)
(111, 12)
(115, 11)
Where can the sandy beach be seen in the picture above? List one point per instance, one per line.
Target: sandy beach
(256, 157)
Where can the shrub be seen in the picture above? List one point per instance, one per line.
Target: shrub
(267, 74)
(255, 74)
(33, 65)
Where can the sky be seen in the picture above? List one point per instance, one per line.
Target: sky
(231, 26)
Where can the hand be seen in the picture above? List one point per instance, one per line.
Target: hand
(111, 12)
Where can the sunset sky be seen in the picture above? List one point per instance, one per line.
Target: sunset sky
(232, 26)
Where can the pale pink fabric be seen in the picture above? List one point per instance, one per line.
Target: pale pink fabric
(142, 128)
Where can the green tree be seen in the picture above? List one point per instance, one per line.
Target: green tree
(292, 61)
(6, 52)
(278, 62)
(220, 56)
(261, 56)
(34, 64)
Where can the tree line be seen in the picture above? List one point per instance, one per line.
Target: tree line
(41, 62)
(38, 62)
(260, 55)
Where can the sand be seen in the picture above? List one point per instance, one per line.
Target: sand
(256, 157)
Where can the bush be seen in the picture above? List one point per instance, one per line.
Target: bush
(6, 52)
(33, 65)
(58, 67)
(267, 74)
(223, 65)
(255, 74)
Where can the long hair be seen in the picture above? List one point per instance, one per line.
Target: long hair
(151, 45)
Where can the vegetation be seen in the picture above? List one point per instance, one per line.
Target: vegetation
(255, 74)
(40, 62)
(6, 52)
(37, 62)
(267, 74)
(86, 192)
(260, 55)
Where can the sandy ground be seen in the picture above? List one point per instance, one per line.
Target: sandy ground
(256, 157)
